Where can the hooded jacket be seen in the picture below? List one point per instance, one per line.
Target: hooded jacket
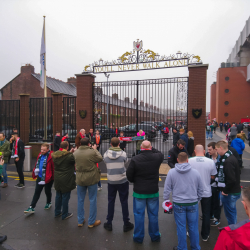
(64, 175)
(185, 184)
(115, 160)
(87, 173)
(5, 149)
(234, 237)
(239, 145)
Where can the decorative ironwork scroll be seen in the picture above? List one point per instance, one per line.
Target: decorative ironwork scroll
(140, 59)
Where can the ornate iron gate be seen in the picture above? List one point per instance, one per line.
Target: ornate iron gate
(69, 117)
(129, 106)
(37, 127)
(10, 116)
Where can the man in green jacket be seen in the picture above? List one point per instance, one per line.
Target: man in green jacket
(64, 179)
(87, 177)
(5, 150)
(3, 237)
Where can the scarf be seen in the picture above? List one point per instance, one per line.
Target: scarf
(83, 136)
(14, 153)
(221, 177)
(97, 139)
(143, 149)
(37, 170)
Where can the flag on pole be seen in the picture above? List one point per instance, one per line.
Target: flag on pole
(42, 60)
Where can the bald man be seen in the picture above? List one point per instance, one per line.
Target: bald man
(207, 169)
(143, 172)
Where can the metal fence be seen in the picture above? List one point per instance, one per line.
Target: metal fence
(129, 106)
(9, 116)
(39, 123)
(69, 117)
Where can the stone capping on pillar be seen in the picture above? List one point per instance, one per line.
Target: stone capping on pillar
(197, 87)
(24, 118)
(86, 74)
(57, 106)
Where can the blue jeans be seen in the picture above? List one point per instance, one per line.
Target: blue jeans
(62, 204)
(139, 206)
(207, 134)
(191, 214)
(229, 203)
(4, 172)
(81, 192)
(211, 134)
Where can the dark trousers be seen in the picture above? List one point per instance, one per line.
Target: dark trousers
(215, 203)
(38, 191)
(205, 208)
(19, 169)
(62, 204)
(165, 136)
(240, 161)
(123, 190)
(221, 128)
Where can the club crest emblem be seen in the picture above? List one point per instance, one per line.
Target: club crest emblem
(82, 113)
(197, 113)
(138, 45)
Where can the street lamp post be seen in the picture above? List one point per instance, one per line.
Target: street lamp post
(107, 75)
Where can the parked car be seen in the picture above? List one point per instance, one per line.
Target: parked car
(72, 132)
(130, 130)
(39, 133)
(245, 124)
(105, 132)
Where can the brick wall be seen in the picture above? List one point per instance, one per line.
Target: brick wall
(233, 80)
(197, 100)
(84, 100)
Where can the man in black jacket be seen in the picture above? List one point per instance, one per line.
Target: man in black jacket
(176, 136)
(143, 171)
(239, 127)
(229, 181)
(57, 141)
(18, 154)
(221, 126)
(173, 152)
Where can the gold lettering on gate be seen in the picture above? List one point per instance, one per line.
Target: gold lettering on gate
(119, 67)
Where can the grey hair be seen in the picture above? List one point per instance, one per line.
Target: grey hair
(246, 193)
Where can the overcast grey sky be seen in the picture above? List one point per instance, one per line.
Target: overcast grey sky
(81, 32)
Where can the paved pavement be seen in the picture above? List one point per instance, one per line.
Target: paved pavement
(42, 231)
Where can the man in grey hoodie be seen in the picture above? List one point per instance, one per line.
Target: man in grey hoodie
(186, 186)
(115, 160)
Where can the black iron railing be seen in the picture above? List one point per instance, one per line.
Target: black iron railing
(41, 122)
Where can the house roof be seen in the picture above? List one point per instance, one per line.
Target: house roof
(58, 86)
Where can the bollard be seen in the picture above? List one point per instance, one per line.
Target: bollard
(27, 160)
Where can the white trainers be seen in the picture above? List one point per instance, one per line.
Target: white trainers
(99, 188)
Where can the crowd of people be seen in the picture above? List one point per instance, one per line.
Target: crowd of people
(210, 178)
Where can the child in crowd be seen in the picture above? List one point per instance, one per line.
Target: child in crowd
(122, 143)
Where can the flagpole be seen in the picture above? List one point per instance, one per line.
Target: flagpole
(45, 87)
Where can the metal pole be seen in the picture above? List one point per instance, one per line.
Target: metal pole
(107, 75)
(137, 96)
(45, 91)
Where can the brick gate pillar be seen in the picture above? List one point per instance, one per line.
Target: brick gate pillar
(57, 113)
(84, 100)
(197, 86)
(24, 117)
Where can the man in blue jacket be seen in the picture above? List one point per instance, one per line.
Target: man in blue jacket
(184, 137)
(239, 145)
